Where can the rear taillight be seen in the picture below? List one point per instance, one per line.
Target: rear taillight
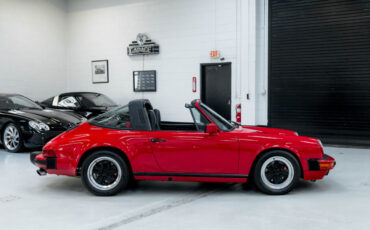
(48, 153)
(239, 113)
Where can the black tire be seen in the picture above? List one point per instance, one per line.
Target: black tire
(10, 147)
(112, 164)
(278, 166)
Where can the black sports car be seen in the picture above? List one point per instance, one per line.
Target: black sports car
(87, 104)
(23, 123)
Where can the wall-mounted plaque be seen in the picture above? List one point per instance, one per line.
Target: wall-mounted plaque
(142, 46)
(145, 81)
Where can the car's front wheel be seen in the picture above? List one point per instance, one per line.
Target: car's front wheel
(12, 138)
(276, 172)
(104, 173)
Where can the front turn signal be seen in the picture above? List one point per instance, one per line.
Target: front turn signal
(326, 165)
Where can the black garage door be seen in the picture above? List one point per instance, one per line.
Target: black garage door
(319, 68)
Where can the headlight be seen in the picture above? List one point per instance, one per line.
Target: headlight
(38, 126)
(296, 133)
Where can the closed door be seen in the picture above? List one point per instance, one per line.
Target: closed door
(216, 87)
(195, 152)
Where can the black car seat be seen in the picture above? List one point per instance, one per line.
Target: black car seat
(158, 116)
(153, 120)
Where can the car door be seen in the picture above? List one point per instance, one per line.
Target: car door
(196, 151)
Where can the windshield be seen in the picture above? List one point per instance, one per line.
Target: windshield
(200, 120)
(221, 122)
(17, 102)
(115, 119)
(95, 100)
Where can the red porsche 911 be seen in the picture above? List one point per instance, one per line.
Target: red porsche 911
(132, 143)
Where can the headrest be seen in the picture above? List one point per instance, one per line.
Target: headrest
(158, 115)
(153, 119)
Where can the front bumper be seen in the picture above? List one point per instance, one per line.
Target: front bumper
(36, 140)
(38, 159)
(323, 164)
(318, 168)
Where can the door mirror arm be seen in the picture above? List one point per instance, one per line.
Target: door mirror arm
(212, 129)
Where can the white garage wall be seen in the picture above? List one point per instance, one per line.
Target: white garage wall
(46, 47)
(185, 30)
(261, 62)
(32, 47)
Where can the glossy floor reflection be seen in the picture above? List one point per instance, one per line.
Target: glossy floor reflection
(340, 201)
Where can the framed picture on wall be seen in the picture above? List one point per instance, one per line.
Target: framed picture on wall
(100, 71)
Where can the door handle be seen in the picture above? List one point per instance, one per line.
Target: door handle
(158, 140)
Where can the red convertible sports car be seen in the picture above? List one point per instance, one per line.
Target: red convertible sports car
(131, 142)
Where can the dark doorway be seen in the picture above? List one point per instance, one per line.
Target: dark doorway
(319, 69)
(216, 87)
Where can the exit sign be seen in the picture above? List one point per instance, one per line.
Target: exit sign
(214, 54)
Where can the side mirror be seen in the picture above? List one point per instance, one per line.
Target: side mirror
(211, 129)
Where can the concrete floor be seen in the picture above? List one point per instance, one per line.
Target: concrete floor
(340, 201)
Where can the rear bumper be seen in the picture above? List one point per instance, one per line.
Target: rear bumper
(53, 165)
(43, 162)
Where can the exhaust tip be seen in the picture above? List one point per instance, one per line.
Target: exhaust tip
(41, 172)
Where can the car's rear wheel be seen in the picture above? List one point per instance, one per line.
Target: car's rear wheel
(104, 173)
(276, 172)
(12, 138)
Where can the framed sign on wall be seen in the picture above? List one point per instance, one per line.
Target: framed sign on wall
(145, 81)
(142, 46)
(100, 71)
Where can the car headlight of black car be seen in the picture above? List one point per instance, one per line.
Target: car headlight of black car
(38, 126)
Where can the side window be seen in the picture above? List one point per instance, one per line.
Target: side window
(68, 102)
(85, 102)
(200, 120)
(115, 119)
